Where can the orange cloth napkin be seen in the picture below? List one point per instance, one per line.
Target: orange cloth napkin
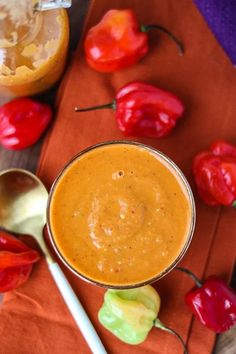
(34, 319)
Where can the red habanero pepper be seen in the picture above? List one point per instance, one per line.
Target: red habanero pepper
(10, 259)
(11, 244)
(212, 302)
(215, 174)
(16, 261)
(22, 122)
(12, 278)
(118, 41)
(144, 110)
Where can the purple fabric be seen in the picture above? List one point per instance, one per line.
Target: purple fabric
(221, 18)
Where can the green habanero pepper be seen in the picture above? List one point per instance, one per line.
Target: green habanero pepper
(131, 314)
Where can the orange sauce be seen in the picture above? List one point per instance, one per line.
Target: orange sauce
(119, 214)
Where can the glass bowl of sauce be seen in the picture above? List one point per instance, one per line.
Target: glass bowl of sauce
(121, 214)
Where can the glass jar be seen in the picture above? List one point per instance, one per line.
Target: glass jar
(33, 45)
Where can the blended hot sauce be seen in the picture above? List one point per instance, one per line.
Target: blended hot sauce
(119, 214)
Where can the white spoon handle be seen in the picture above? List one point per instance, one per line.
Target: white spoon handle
(77, 311)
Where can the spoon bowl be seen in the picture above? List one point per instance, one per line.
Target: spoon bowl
(23, 204)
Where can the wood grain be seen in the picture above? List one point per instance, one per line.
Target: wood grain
(28, 158)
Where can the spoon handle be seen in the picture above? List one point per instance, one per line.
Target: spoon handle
(77, 311)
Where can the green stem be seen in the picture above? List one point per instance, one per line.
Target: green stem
(111, 105)
(234, 204)
(193, 276)
(160, 325)
(146, 28)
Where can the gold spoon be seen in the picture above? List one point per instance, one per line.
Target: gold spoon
(23, 203)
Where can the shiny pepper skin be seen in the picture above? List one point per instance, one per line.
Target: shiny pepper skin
(16, 261)
(214, 304)
(212, 301)
(128, 320)
(131, 314)
(215, 174)
(22, 122)
(144, 110)
(118, 41)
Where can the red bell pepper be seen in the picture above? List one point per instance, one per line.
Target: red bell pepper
(16, 261)
(215, 174)
(22, 122)
(118, 41)
(213, 302)
(144, 110)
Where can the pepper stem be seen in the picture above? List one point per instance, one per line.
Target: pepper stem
(193, 276)
(111, 105)
(160, 325)
(234, 204)
(146, 28)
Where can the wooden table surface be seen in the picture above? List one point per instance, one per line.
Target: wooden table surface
(28, 158)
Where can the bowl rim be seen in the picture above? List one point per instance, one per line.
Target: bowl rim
(191, 226)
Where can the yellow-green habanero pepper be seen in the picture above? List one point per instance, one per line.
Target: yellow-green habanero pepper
(131, 314)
